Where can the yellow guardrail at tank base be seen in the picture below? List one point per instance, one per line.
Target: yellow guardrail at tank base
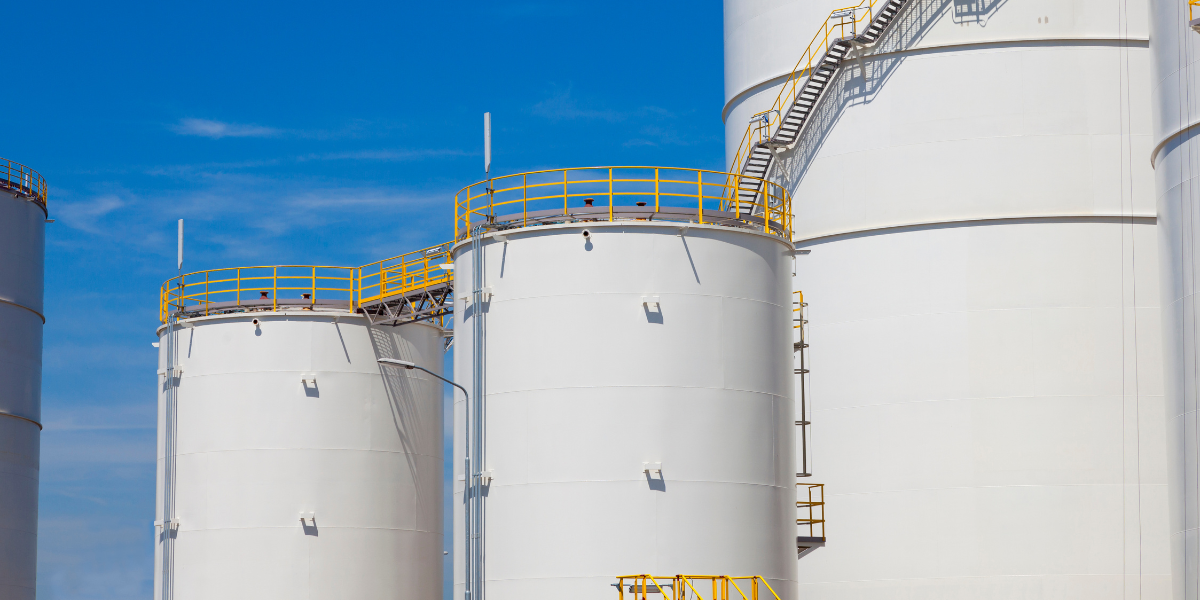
(702, 587)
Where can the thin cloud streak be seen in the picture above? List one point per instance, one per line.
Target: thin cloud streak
(217, 129)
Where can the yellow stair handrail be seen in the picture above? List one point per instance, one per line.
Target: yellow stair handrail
(841, 21)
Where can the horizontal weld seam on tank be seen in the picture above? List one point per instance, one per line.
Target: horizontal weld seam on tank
(892, 317)
(319, 525)
(981, 487)
(305, 449)
(10, 415)
(639, 294)
(11, 303)
(969, 222)
(1163, 142)
(635, 385)
(968, 399)
(787, 485)
(983, 45)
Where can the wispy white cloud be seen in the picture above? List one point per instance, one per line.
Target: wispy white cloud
(86, 215)
(219, 129)
(563, 106)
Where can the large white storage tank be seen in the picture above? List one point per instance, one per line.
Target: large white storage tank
(294, 467)
(983, 297)
(1176, 159)
(22, 259)
(638, 389)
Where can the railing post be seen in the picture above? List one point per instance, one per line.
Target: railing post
(737, 195)
(566, 211)
(525, 200)
(610, 194)
(313, 297)
(655, 189)
(700, 195)
(274, 288)
(238, 291)
(206, 302)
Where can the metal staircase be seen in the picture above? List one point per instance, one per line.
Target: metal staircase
(781, 125)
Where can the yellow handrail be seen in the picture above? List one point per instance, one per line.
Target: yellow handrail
(405, 273)
(235, 288)
(841, 21)
(215, 289)
(644, 584)
(815, 505)
(1191, 5)
(19, 178)
(624, 193)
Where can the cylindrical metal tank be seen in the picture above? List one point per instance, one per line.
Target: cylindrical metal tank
(638, 404)
(22, 258)
(1176, 159)
(982, 293)
(301, 467)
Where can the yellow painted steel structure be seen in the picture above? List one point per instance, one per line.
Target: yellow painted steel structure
(526, 199)
(814, 504)
(21, 179)
(405, 273)
(701, 587)
(270, 287)
(1192, 4)
(841, 23)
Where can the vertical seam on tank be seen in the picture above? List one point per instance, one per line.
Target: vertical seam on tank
(1186, 243)
(1126, 167)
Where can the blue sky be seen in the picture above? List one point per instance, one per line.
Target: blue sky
(294, 133)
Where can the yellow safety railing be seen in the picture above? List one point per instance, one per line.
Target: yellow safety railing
(1192, 4)
(337, 288)
(401, 274)
(841, 23)
(621, 193)
(19, 178)
(701, 587)
(814, 505)
(203, 292)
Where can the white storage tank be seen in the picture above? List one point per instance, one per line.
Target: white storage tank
(1176, 159)
(294, 465)
(638, 390)
(982, 290)
(22, 258)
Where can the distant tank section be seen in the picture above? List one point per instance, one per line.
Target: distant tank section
(291, 464)
(22, 265)
(981, 286)
(625, 334)
(1175, 155)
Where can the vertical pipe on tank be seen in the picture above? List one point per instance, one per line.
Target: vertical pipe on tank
(166, 526)
(476, 426)
(1176, 160)
(22, 260)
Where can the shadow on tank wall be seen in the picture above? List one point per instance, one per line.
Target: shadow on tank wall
(860, 78)
(419, 427)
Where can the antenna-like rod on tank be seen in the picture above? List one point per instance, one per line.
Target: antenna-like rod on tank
(180, 254)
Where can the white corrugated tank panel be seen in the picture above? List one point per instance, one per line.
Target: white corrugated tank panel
(258, 448)
(1176, 158)
(986, 368)
(22, 259)
(585, 383)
